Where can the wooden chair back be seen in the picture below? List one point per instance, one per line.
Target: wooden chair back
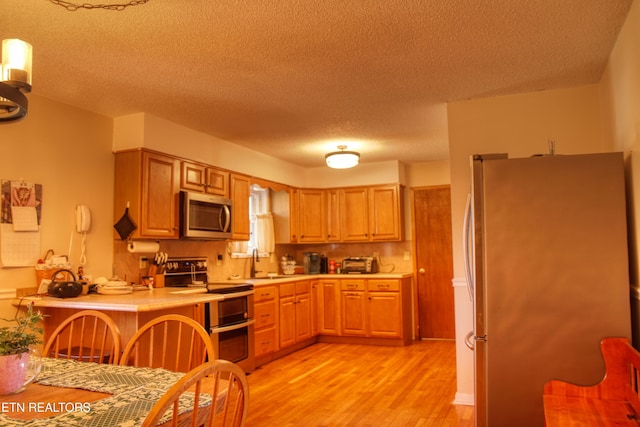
(220, 378)
(621, 381)
(86, 336)
(172, 341)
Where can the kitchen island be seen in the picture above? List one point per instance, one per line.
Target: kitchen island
(129, 311)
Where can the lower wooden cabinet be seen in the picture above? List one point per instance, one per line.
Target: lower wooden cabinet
(295, 313)
(265, 313)
(384, 311)
(372, 308)
(353, 307)
(328, 309)
(289, 315)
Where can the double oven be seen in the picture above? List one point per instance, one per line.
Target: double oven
(230, 321)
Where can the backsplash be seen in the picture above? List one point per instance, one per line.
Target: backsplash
(391, 257)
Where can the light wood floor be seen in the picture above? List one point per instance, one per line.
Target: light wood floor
(356, 385)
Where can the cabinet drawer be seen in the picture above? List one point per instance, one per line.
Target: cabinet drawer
(352, 284)
(262, 293)
(265, 314)
(383, 285)
(302, 287)
(265, 341)
(287, 290)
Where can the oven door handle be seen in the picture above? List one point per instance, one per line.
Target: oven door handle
(219, 329)
(236, 294)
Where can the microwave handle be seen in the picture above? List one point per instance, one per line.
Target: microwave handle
(226, 219)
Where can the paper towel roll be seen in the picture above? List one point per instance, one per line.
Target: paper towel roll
(143, 247)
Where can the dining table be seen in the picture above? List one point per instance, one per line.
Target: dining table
(71, 393)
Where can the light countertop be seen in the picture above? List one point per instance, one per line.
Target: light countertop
(164, 298)
(261, 281)
(139, 300)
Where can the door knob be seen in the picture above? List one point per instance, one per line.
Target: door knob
(421, 271)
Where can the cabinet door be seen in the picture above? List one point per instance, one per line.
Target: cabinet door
(333, 215)
(303, 317)
(314, 298)
(294, 214)
(384, 314)
(352, 304)
(312, 216)
(159, 212)
(265, 314)
(217, 182)
(265, 342)
(192, 176)
(329, 307)
(287, 323)
(355, 216)
(384, 213)
(240, 225)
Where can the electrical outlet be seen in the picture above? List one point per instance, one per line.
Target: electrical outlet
(143, 262)
(219, 260)
(376, 255)
(407, 256)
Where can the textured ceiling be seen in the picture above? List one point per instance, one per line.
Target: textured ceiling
(290, 77)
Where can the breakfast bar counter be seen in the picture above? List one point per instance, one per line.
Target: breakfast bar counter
(137, 301)
(129, 311)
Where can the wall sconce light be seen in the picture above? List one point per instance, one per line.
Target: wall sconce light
(15, 78)
(342, 159)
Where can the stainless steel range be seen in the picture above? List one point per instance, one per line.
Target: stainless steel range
(230, 321)
(181, 272)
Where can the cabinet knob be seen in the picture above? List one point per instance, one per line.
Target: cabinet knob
(421, 271)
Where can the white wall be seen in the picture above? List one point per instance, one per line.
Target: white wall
(621, 102)
(68, 151)
(146, 130)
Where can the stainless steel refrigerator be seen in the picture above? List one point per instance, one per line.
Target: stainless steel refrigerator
(548, 263)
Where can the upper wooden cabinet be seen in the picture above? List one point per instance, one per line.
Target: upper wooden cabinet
(240, 191)
(385, 212)
(355, 214)
(204, 179)
(148, 182)
(371, 213)
(312, 216)
(334, 223)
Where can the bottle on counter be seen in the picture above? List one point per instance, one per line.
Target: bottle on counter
(332, 267)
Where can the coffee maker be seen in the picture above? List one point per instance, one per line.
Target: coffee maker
(311, 262)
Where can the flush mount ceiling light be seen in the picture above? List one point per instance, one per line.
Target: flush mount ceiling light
(342, 159)
(15, 78)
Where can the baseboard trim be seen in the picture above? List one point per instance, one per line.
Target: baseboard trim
(464, 399)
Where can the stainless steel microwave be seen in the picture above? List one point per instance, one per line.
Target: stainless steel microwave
(204, 216)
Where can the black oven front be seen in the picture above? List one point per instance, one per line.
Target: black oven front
(230, 323)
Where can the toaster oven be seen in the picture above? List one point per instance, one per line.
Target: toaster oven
(361, 265)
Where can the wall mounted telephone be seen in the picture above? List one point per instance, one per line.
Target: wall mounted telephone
(83, 218)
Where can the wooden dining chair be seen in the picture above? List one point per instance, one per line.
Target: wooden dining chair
(220, 378)
(172, 341)
(86, 336)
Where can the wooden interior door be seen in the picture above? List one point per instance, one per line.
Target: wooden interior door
(434, 261)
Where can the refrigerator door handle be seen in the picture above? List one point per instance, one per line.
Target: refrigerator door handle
(467, 340)
(466, 237)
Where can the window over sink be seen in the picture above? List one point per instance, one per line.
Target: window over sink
(262, 229)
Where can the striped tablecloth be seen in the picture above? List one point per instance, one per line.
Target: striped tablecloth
(134, 392)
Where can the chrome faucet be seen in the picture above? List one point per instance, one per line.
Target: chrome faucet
(254, 259)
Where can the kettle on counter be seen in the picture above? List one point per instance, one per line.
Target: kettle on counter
(64, 289)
